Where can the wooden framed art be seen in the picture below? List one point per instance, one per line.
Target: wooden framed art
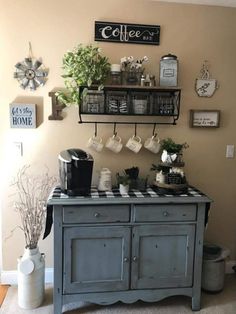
(204, 118)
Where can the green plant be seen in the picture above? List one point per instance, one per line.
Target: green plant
(123, 179)
(171, 147)
(84, 65)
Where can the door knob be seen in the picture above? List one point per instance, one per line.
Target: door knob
(126, 259)
(135, 259)
(96, 215)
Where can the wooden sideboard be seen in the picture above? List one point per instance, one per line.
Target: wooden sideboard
(141, 246)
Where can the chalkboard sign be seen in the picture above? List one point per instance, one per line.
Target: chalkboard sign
(127, 33)
(23, 116)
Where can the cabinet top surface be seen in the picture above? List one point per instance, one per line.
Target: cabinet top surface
(149, 196)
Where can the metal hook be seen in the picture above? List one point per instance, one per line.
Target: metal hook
(95, 129)
(114, 129)
(154, 129)
(135, 129)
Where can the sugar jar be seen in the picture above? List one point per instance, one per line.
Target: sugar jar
(104, 182)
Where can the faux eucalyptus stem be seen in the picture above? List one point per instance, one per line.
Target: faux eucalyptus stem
(32, 193)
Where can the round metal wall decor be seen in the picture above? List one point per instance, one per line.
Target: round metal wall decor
(31, 72)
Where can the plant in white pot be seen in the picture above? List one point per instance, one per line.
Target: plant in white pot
(83, 66)
(123, 182)
(31, 195)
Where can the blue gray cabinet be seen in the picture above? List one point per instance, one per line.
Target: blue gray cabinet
(114, 248)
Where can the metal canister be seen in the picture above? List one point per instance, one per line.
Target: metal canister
(169, 70)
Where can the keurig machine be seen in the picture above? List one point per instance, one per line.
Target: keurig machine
(75, 171)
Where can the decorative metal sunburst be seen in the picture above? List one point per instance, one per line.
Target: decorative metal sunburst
(30, 72)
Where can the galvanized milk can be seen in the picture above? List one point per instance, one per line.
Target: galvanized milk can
(31, 274)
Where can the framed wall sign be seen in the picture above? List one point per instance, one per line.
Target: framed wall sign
(23, 116)
(127, 33)
(204, 118)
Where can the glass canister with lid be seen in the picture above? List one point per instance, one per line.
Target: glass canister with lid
(169, 70)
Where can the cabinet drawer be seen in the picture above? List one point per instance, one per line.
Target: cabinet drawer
(96, 214)
(164, 212)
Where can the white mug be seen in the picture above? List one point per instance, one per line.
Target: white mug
(134, 144)
(114, 143)
(95, 143)
(153, 144)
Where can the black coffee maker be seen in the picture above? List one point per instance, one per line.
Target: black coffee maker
(75, 170)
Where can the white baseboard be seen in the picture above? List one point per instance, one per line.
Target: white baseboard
(10, 277)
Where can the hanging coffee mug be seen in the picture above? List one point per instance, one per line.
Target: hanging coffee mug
(95, 143)
(134, 144)
(114, 143)
(153, 144)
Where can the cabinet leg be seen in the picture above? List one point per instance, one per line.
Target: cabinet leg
(196, 304)
(57, 304)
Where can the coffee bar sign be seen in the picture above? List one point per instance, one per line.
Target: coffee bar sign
(23, 115)
(127, 33)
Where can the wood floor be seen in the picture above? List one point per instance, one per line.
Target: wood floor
(3, 292)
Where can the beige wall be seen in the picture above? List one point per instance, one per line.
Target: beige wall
(193, 33)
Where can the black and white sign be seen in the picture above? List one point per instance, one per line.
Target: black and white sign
(205, 118)
(127, 33)
(23, 116)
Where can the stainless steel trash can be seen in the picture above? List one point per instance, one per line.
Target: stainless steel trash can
(213, 268)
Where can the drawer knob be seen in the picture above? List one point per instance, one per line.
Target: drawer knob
(96, 215)
(126, 259)
(135, 259)
(165, 214)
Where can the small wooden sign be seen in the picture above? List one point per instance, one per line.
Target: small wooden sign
(23, 116)
(204, 118)
(127, 33)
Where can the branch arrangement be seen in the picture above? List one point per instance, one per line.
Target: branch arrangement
(32, 194)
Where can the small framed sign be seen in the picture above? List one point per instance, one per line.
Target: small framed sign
(127, 33)
(23, 115)
(204, 118)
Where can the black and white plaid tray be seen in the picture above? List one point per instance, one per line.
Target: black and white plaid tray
(149, 192)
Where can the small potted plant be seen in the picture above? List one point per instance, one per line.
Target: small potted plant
(136, 182)
(83, 66)
(123, 182)
(171, 151)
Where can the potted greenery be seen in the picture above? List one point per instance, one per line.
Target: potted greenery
(171, 147)
(123, 181)
(172, 151)
(83, 66)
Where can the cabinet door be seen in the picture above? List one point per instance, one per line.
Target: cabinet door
(162, 256)
(96, 259)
